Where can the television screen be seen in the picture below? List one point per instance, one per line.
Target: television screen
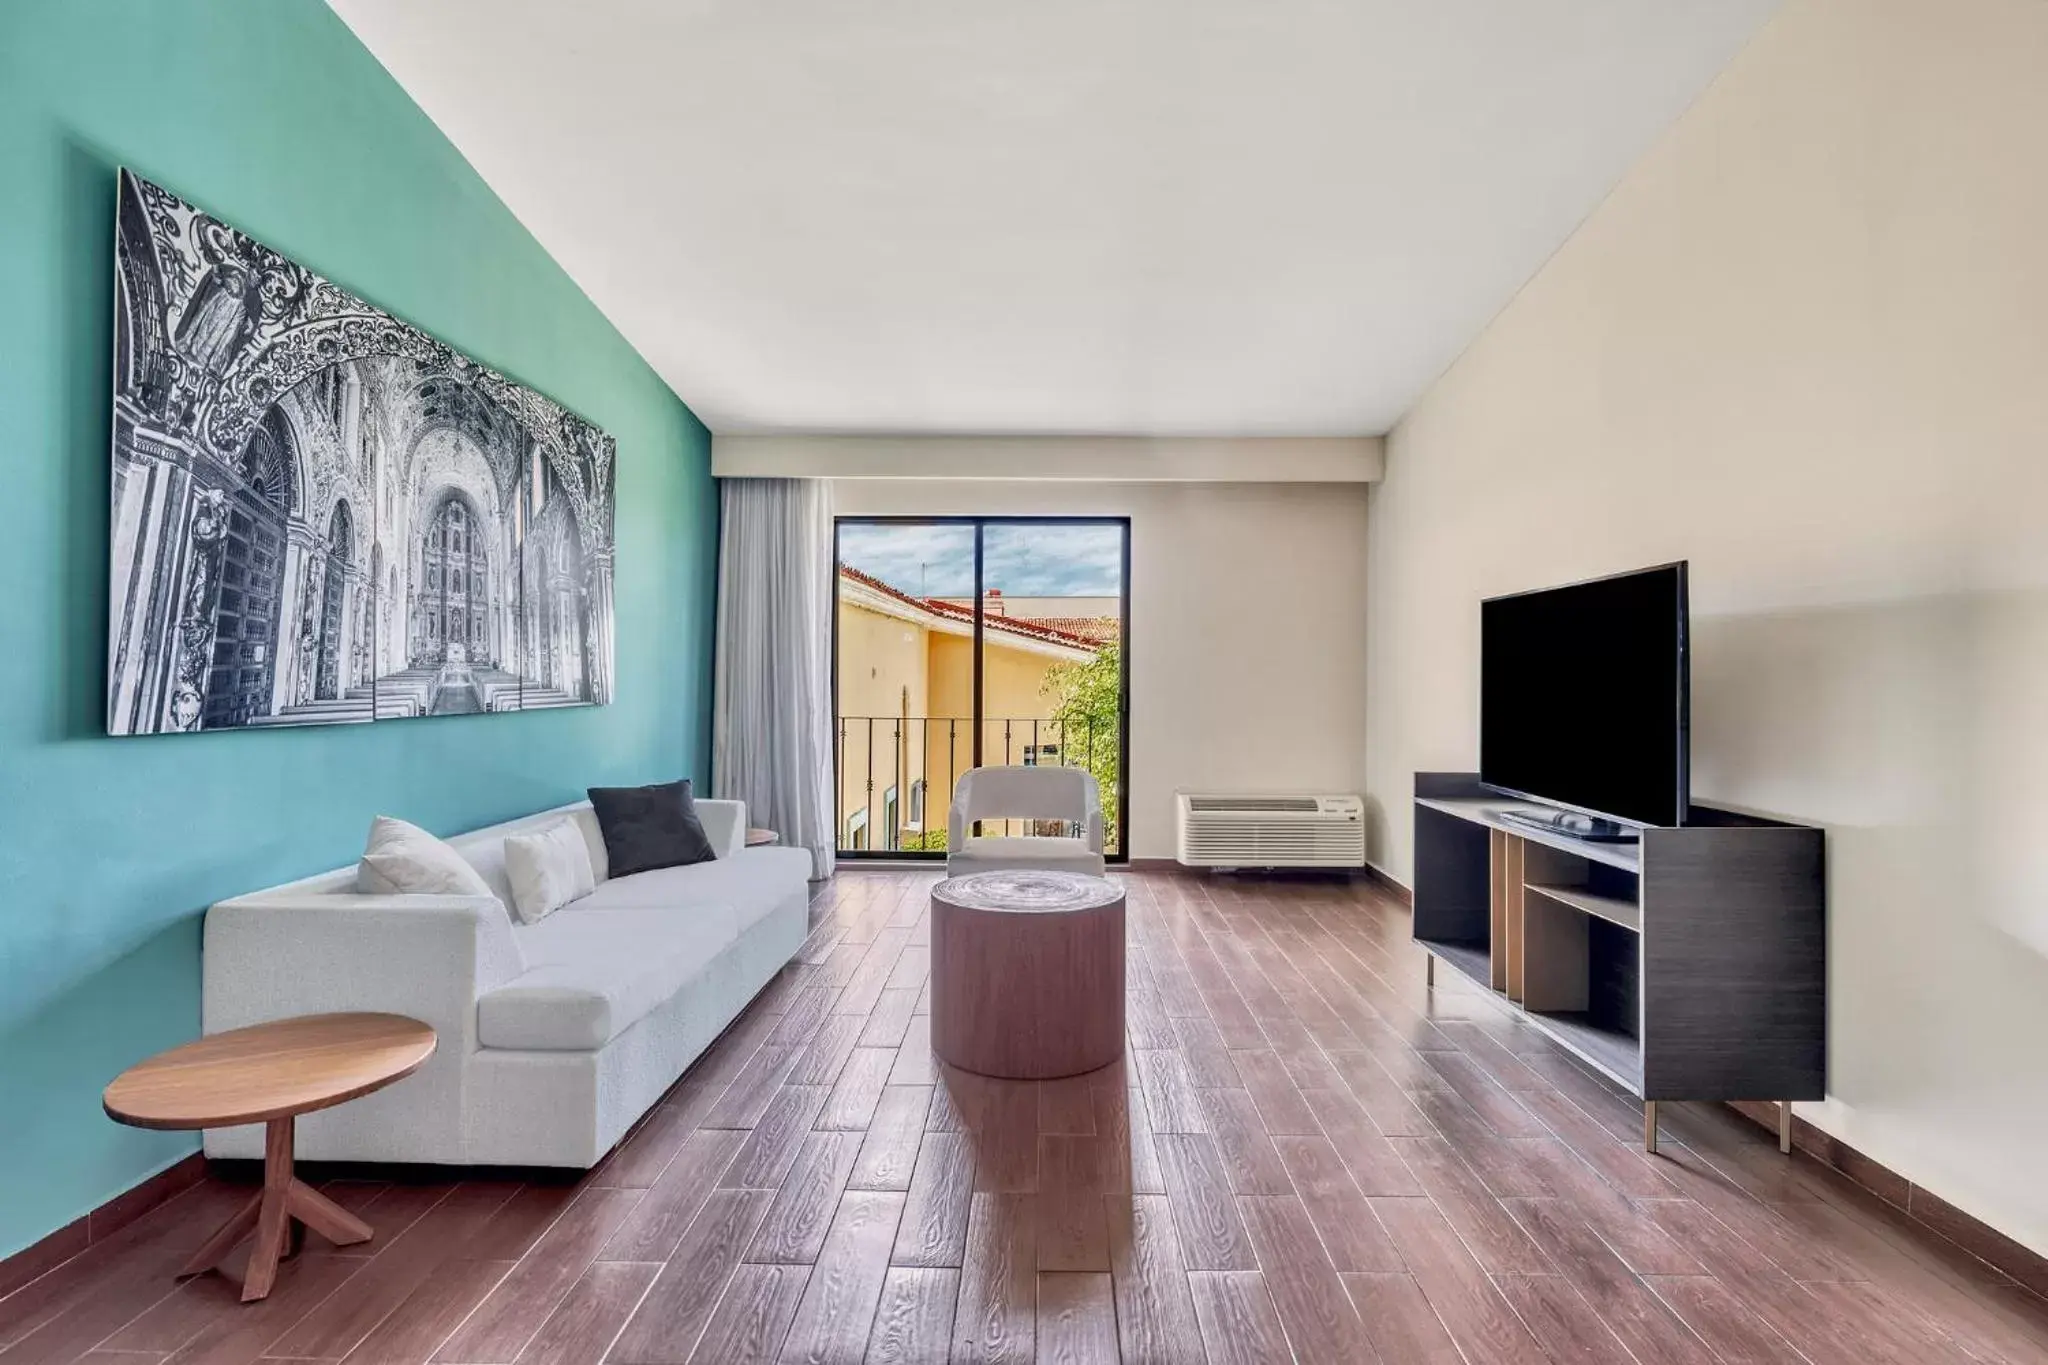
(1584, 696)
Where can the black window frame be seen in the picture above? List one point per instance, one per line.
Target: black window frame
(1122, 855)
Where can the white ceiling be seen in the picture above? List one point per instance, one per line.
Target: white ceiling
(1217, 217)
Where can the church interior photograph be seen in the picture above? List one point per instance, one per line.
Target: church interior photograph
(1235, 681)
(323, 515)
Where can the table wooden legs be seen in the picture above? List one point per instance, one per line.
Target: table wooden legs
(274, 1219)
(326, 1217)
(272, 1213)
(227, 1239)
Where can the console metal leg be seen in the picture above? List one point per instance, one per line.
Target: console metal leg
(1785, 1126)
(1650, 1126)
(1429, 971)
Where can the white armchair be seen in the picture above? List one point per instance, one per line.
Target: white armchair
(1069, 795)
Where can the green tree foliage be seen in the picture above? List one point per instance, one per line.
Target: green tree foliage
(1090, 717)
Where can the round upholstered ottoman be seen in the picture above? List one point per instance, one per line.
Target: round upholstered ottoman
(1028, 973)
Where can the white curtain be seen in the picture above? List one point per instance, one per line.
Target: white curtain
(771, 737)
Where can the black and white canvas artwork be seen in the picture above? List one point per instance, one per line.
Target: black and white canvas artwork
(323, 515)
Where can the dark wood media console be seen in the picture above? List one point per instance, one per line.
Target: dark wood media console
(1690, 966)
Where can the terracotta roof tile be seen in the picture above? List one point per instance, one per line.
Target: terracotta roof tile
(1035, 630)
(1100, 630)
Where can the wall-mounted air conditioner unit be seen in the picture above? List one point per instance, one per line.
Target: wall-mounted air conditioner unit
(1271, 831)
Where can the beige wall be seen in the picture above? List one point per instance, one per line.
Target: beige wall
(1804, 344)
(1247, 644)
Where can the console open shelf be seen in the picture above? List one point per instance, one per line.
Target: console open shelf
(1469, 958)
(1691, 965)
(1625, 911)
(1614, 1052)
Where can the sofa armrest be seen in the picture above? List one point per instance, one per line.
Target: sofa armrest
(281, 953)
(725, 824)
(295, 950)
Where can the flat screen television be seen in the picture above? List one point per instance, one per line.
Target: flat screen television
(1584, 696)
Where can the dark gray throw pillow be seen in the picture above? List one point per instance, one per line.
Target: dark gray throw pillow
(649, 827)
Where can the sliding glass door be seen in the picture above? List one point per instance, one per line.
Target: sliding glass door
(970, 641)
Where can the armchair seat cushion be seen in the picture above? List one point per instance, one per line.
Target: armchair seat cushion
(997, 853)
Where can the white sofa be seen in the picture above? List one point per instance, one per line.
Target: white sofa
(555, 1036)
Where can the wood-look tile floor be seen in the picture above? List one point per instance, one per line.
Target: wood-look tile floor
(1305, 1155)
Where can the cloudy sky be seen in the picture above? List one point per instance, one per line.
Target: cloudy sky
(1023, 561)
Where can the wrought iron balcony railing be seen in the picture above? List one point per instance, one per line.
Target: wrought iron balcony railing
(895, 774)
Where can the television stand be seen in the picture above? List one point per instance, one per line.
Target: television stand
(1691, 965)
(1571, 824)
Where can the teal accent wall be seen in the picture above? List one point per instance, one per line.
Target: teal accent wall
(270, 114)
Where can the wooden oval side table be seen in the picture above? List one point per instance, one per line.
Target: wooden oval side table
(269, 1074)
(1028, 973)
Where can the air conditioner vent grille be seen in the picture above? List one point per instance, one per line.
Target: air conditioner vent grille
(1207, 805)
(1222, 830)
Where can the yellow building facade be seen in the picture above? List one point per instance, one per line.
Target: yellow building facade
(905, 724)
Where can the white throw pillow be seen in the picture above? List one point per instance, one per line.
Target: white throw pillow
(405, 860)
(548, 869)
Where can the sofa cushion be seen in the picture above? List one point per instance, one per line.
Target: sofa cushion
(594, 973)
(750, 883)
(548, 869)
(650, 827)
(602, 963)
(404, 860)
(484, 849)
